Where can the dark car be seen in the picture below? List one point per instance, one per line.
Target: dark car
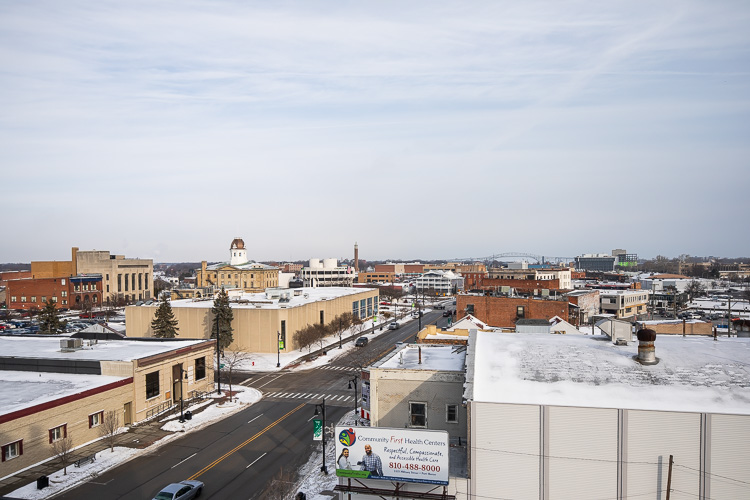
(361, 342)
(184, 490)
(447, 313)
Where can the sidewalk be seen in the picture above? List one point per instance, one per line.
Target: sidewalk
(138, 436)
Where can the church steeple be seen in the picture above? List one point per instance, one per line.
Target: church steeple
(237, 252)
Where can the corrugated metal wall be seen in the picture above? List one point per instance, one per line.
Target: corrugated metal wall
(729, 452)
(505, 450)
(582, 453)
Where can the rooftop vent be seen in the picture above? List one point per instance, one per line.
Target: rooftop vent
(70, 345)
(646, 350)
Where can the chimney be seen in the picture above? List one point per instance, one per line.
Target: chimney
(646, 352)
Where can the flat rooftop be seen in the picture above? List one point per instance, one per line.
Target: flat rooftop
(22, 390)
(243, 300)
(694, 374)
(434, 357)
(104, 350)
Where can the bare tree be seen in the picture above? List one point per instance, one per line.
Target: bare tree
(320, 332)
(304, 337)
(281, 487)
(63, 450)
(233, 359)
(109, 427)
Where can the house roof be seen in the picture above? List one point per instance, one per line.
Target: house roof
(694, 374)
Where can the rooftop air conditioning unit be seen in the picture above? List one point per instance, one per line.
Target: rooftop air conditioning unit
(70, 345)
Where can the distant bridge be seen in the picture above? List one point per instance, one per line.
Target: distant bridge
(515, 256)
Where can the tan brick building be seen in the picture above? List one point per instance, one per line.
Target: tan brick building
(238, 273)
(259, 318)
(135, 379)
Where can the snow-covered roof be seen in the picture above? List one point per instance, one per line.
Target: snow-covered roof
(693, 374)
(22, 390)
(103, 350)
(240, 300)
(246, 265)
(467, 322)
(434, 357)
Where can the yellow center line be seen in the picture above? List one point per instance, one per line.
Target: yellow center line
(215, 462)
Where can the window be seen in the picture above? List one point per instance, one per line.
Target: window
(469, 308)
(107, 277)
(33, 298)
(23, 298)
(65, 302)
(132, 276)
(152, 385)
(140, 281)
(54, 299)
(64, 293)
(520, 312)
(13, 298)
(146, 284)
(107, 288)
(451, 414)
(126, 282)
(200, 368)
(418, 414)
(95, 419)
(58, 433)
(12, 450)
(119, 282)
(322, 316)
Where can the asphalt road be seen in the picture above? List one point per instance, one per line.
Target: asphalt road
(238, 456)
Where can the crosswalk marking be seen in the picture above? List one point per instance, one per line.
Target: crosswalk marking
(338, 398)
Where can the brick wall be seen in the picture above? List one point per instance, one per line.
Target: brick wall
(502, 311)
(520, 285)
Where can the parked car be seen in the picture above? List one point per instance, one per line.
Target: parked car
(439, 306)
(447, 313)
(184, 490)
(361, 342)
(393, 326)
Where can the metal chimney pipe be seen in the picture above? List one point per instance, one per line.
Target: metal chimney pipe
(646, 350)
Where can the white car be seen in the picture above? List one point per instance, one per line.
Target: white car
(184, 490)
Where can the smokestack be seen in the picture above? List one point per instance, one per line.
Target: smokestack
(356, 257)
(646, 351)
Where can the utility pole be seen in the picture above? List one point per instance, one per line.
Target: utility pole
(669, 477)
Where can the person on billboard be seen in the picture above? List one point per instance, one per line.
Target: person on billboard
(343, 460)
(371, 462)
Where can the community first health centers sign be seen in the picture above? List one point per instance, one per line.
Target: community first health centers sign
(418, 456)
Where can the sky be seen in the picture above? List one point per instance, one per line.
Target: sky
(419, 130)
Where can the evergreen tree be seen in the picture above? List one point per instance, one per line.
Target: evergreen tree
(222, 320)
(164, 323)
(49, 321)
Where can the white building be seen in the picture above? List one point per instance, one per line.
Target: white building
(624, 303)
(553, 416)
(440, 282)
(420, 386)
(327, 273)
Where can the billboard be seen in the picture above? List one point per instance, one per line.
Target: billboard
(409, 455)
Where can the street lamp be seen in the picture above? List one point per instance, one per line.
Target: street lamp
(322, 407)
(355, 380)
(278, 349)
(340, 332)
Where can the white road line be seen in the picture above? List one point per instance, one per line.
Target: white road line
(307, 395)
(269, 381)
(294, 395)
(256, 418)
(340, 397)
(316, 396)
(347, 398)
(271, 394)
(251, 463)
(188, 458)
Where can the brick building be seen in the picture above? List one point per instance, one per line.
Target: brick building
(521, 285)
(586, 304)
(69, 292)
(375, 277)
(505, 311)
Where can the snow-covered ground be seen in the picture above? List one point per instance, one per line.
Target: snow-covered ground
(106, 460)
(312, 479)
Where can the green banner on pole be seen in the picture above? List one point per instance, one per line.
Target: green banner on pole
(281, 344)
(317, 430)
